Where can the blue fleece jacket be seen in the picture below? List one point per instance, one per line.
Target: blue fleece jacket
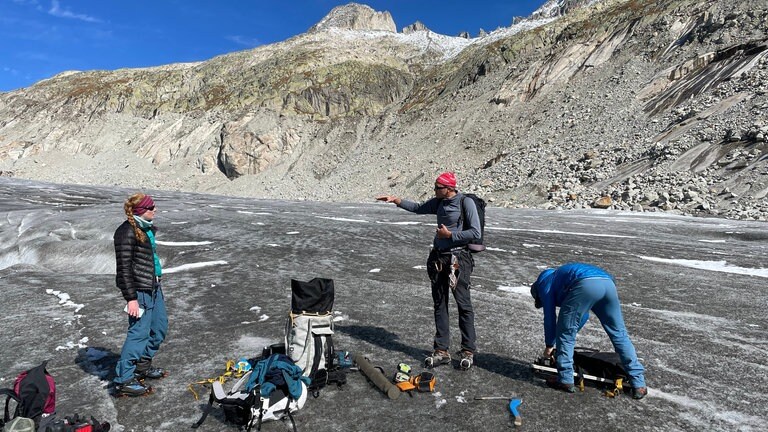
(553, 286)
(264, 376)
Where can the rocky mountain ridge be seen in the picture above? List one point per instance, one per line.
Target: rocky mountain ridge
(642, 105)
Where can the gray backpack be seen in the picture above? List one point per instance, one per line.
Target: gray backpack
(20, 424)
(309, 342)
(309, 330)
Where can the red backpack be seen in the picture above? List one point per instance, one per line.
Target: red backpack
(34, 392)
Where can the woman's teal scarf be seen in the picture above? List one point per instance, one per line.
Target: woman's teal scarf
(146, 226)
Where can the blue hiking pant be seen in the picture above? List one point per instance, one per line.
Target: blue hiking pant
(145, 334)
(599, 296)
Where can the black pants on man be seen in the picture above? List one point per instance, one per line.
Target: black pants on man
(439, 270)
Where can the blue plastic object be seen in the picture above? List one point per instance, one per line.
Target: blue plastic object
(344, 359)
(513, 404)
(243, 365)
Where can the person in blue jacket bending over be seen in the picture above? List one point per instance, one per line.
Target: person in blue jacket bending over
(577, 288)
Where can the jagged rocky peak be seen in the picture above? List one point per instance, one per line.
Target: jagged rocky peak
(464, 34)
(354, 16)
(556, 8)
(417, 26)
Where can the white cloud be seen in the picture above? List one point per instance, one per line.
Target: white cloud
(57, 11)
(244, 40)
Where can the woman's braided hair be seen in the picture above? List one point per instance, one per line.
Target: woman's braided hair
(130, 203)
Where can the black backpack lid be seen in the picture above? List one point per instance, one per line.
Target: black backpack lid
(315, 296)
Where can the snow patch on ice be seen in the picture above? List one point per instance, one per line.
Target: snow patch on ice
(256, 309)
(718, 266)
(188, 243)
(439, 400)
(252, 344)
(718, 330)
(64, 299)
(710, 409)
(496, 249)
(194, 266)
(263, 318)
(399, 223)
(376, 270)
(531, 245)
(712, 241)
(560, 232)
(460, 398)
(522, 289)
(72, 345)
(420, 267)
(342, 219)
(262, 213)
(292, 233)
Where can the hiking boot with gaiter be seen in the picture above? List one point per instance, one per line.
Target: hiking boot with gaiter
(439, 357)
(151, 373)
(133, 388)
(145, 370)
(467, 359)
(639, 392)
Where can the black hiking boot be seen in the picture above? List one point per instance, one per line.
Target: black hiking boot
(132, 388)
(467, 359)
(639, 392)
(145, 370)
(557, 385)
(151, 373)
(439, 357)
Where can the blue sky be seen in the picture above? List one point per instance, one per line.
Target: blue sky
(40, 38)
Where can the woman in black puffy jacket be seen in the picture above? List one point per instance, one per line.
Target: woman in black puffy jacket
(138, 278)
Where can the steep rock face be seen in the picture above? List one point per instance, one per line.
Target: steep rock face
(355, 16)
(178, 111)
(640, 105)
(248, 146)
(417, 26)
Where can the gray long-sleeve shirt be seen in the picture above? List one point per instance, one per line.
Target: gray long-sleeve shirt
(448, 212)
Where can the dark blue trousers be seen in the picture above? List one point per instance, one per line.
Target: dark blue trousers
(145, 334)
(441, 293)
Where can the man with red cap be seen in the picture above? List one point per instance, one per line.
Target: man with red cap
(450, 264)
